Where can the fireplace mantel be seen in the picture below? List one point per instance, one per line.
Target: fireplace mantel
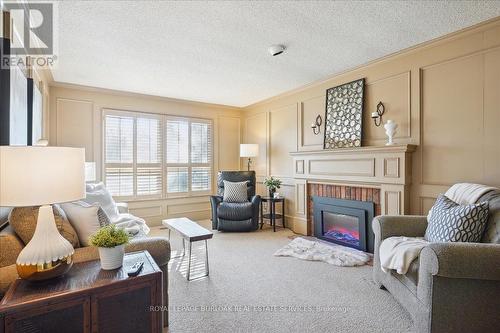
(387, 168)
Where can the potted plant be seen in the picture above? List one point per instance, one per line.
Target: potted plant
(110, 242)
(272, 184)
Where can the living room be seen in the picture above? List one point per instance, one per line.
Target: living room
(250, 166)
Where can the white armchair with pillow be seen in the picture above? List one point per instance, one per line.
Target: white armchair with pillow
(454, 282)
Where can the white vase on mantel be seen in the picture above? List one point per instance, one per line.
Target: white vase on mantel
(390, 130)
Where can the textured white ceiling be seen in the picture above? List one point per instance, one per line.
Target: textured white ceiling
(216, 52)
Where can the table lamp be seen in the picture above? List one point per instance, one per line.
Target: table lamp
(249, 150)
(41, 176)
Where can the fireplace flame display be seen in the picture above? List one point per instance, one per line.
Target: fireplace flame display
(344, 235)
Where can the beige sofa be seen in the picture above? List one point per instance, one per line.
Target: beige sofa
(11, 245)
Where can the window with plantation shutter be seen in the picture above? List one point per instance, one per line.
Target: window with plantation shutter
(147, 154)
(188, 156)
(133, 154)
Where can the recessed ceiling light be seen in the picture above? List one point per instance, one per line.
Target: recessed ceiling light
(276, 49)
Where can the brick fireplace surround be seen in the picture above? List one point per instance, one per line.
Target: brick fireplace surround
(339, 192)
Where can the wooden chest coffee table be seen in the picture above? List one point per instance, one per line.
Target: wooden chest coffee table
(191, 232)
(87, 299)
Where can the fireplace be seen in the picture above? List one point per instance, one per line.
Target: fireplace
(344, 222)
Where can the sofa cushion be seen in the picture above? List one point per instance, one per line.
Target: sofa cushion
(235, 211)
(451, 222)
(10, 245)
(235, 191)
(492, 232)
(23, 221)
(86, 219)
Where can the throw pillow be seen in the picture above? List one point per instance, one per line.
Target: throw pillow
(97, 193)
(451, 222)
(235, 191)
(23, 221)
(86, 219)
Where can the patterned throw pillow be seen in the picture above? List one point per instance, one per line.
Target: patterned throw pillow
(235, 192)
(451, 222)
(85, 218)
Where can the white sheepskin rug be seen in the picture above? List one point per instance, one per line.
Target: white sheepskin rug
(318, 251)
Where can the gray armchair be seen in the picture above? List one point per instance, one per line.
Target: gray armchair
(232, 216)
(451, 287)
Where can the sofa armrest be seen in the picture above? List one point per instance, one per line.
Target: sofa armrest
(461, 260)
(386, 226)
(122, 207)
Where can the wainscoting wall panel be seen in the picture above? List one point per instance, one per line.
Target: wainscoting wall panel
(445, 97)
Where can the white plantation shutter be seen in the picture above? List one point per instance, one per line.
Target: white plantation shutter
(149, 159)
(188, 155)
(144, 153)
(133, 154)
(119, 148)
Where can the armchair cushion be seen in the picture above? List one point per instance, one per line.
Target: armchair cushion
(235, 211)
(235, 191)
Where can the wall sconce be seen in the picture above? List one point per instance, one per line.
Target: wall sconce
(316, 126)
(378, 114)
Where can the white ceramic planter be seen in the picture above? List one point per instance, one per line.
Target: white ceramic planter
(111, 257)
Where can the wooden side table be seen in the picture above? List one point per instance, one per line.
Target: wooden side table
(87, 299)
(272, 215)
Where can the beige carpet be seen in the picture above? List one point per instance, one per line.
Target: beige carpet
(250, 290)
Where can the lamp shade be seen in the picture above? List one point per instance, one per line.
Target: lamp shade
(249, 150)
(33, 176)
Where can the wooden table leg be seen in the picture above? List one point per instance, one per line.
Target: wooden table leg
(283, 213)
(273, 215)
(261, 214)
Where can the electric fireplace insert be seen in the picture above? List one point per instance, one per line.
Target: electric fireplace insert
(344, 222)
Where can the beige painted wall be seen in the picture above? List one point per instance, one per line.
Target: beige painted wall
(75, 120)
(445, 96)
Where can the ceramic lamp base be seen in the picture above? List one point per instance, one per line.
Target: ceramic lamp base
(47, 254)
(45, 271)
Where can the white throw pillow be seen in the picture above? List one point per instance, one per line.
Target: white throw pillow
(235, 191)
(97, 193)
(86, 219)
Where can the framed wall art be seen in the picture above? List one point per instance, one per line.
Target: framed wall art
(343, 115)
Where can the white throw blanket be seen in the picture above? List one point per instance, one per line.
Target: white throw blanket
(467, 193)
(398, 252)
(316, 251)
(133, 225)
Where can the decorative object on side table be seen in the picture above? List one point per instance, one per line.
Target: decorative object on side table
(110, 241)
(272, 185)
(344, 114)
(390, 130)
(249, 150)
(41, 176)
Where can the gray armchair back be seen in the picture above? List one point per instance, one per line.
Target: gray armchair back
(235, 216)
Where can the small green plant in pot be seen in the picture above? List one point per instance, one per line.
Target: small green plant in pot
(110, 242)
(272, 185)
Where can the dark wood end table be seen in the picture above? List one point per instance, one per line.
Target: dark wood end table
(272, 215)
(87, 299)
